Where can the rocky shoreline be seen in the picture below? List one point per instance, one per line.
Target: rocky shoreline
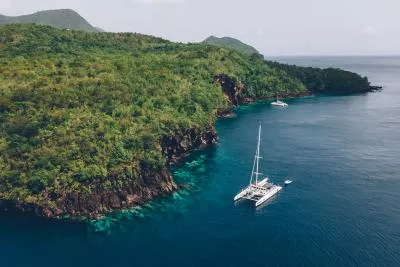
(97, 202)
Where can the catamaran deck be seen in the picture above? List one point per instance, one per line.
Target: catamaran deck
(255, 192)
(259, 194)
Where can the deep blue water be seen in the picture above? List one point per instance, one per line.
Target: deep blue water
(342, 209)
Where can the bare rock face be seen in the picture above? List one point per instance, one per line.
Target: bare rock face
(231, 89)
(179, 145)
(233, 92)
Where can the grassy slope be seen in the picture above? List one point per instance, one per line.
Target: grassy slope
(62, 18)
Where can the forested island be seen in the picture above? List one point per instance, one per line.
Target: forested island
(90, 122)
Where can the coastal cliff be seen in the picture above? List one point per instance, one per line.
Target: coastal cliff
(98, 201)
(95, 199)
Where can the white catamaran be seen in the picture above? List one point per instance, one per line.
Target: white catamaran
(279, 103)
(258, 191)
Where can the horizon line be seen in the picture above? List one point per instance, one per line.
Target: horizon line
(333, 55)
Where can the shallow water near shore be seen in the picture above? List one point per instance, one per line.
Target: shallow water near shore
(342, 153)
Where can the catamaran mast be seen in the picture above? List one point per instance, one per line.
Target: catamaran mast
(258, 153)
(256, 158)
(252, 170)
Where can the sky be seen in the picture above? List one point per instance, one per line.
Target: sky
(274, 27)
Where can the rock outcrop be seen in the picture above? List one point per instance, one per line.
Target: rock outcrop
(179, 145)
(233, 90)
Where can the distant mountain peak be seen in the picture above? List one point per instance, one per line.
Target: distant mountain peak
(232, 43)
(59, 18)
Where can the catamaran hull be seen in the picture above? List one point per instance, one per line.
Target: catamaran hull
(272, 191)
(241, 194)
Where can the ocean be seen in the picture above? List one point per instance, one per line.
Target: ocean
(342, 209)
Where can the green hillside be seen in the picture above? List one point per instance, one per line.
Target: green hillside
(62, 18)
(89, 122)
(233, 43)
(326, 81)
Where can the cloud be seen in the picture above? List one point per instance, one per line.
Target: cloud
(369, 30)
(6, 5)
(240, 30)
(150, 2)
(260, 31)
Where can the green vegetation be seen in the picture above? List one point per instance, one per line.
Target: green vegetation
(232, 43)
(63, 18)
(327, 81)
(88, 111)
(80, 108)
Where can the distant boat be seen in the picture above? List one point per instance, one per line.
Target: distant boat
(258, 191)
(286, 182)
(279, 103)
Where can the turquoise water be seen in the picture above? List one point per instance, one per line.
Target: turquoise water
(342, 208)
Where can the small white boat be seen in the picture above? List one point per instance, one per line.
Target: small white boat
(279, 103)
(286, 182)
(258, 191)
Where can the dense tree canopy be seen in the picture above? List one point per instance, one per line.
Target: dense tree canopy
(327, 81)
(77, 107)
